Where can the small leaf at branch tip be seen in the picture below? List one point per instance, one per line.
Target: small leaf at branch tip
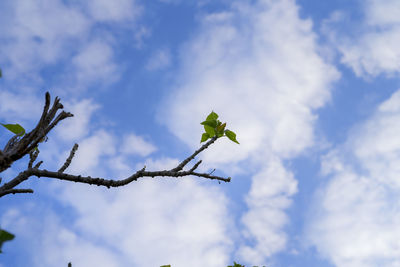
(204, 137)
(209, 130)
(212, 116)
(231, 135)
(15, 128)
(210, 123)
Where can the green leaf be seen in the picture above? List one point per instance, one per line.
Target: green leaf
(5, 236)
(220, 128)
(231, 135)
(204, 137)
(169, 265)
(212, 116)
(209, 130)
(15, 128)
(211, 123)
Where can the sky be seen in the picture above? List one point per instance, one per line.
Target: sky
(311, 88)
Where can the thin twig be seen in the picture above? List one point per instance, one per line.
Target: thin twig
(195, 166)
(32, 157)
(69, 159)
(183, 163)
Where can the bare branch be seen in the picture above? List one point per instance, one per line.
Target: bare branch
(116, 183)
(109, 182)
(17, 147)
(15, 191)
(38, 164)
(32, 157)
(195, 166)
(69, 159)
(11, 142)
(183, 163)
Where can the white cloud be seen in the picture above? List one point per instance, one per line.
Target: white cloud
(372, 46)
(382, 13)
(268, 197)
(117, 10)
(77, 126)
(36, 38)
(147, 223)
(91, 149)
(265, 82)
(356, 214)
(95, 63)
(16, 107)
(133, 144)
(159, 60)
(44, 234)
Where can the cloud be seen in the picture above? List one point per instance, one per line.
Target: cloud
(18, 106)
(38, 36)
(269, 195)
(266, 83)
(159, 60)
(95, 63)
(147, 223)
(91, 149)
(356, 213)
(35, 39)
(371, 47)
(77, 127)
(133, 144)
(103, 10)
(42, 236)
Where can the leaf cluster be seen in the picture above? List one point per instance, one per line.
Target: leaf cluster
(214, 127)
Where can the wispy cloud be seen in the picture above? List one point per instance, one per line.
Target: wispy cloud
(78, 126)
(119, 10)
(159, 60)
(266, 82)
(371, 46)
(94, 63)
(134, 144)
(150, 222)
(34, 42)
(356, 213)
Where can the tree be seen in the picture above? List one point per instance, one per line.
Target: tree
(22, 144)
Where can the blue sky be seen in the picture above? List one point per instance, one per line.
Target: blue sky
(310, 87)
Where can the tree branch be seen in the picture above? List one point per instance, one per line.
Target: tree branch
(18, 147)
(183, 163)
(69, 159)
(15, 191)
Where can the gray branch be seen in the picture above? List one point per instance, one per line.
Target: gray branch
(15, 191)
(18, 147)
(69, 159)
